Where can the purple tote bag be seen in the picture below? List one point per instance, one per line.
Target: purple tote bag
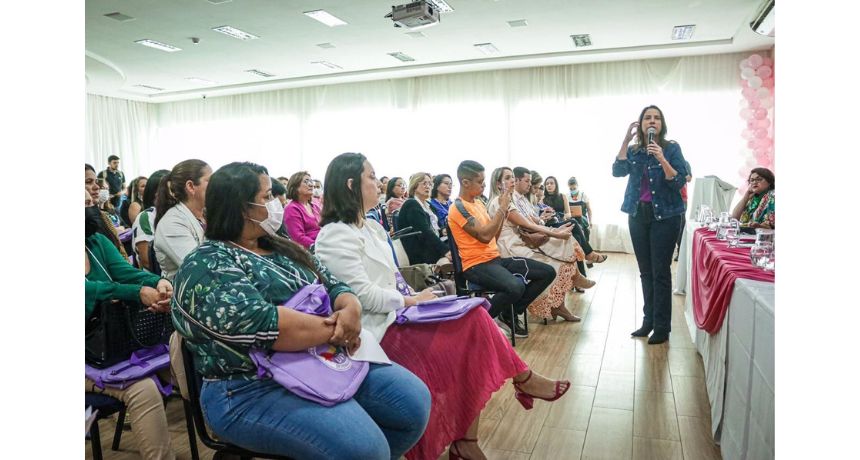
(443, 309)
(143, 363)
(324, 374)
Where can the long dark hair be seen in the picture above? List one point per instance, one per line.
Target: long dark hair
(171, 189)
(340, 204)
(765, 174)
(437, 181)
(151, 188)
(554, 200)
(133, 194)
(390, 188)
(230, 191)
(642, 140)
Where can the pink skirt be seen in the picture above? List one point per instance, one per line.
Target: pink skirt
(463, 362)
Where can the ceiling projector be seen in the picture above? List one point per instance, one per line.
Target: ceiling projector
(414, 15)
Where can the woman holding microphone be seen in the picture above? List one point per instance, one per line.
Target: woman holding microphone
(652, 200)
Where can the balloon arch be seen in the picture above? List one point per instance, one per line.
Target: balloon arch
(757, 81)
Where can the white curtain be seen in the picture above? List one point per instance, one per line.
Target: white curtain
(122, 128)
(561, 121)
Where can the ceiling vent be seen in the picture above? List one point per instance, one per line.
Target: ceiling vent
(152, 88)
(119, 17)
(218, 2)
(581, 40)
(325, 45)
(763, 24)
(401, 56)
(260, 73)
(518, 23)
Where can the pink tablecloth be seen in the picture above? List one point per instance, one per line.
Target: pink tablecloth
(716, 266)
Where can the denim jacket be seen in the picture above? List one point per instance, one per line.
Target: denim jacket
(665, 195)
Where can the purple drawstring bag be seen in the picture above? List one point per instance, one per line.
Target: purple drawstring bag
(324, 374)
(143, 363)
(442, 309)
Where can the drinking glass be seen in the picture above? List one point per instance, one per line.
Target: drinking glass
(760, 255)
(733, 236)
(764, 237)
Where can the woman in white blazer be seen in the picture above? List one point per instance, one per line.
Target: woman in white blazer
(463, 362)
(179, 217)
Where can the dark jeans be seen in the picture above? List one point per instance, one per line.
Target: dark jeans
(505, 276)
(654, 245)
(683, 226)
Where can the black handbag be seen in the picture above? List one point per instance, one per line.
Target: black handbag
(116, 329)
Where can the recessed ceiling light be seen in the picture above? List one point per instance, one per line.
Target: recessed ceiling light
(153, 88)
(326, 45)
(235, 33)
(327, 64)
(218, 2)
(581, 40)
(683, 32)
(487, 48)
(401, 56)
(201, 81)
(259, 73)
(325, 17)
(158, 45)
(120, 17)
(441, 6)
(518, 23)
(416, 34)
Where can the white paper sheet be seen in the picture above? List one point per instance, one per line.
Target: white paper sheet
(370, 350)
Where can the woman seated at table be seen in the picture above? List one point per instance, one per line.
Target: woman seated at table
(228, 297)
(179, 219)
(426, 247)
(462, 361)
(440, 201)
(143, 230)
(108, 276)
(558, 248)
(756, 208)
(302, 216)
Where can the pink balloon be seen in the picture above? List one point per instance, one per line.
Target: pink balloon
(762, 93)
(755, 82)
(749, 93)
(763, 123)
(763, 142)
(751, 124)
(755, 103)
(767, 82)
(744, 83)
(755, 61)
(747, 134)
(767, 61)
(760, 114)
(767, 103)
(751, 144)
(747, 73)
(743, 64)
(760, 133)
(764, 71)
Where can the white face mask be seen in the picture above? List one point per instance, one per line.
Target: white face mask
(275, 219)
(104, 195)
(317, 192)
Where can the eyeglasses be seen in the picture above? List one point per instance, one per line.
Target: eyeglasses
(308, 182)
(756, 180)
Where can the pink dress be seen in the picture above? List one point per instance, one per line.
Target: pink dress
(463, 362)
(303, 228)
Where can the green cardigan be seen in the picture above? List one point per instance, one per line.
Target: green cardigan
(122, 281)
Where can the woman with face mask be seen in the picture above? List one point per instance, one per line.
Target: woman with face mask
(108, 276)
(99, 196)
(302, 215)
(179, 217)
(228, 298)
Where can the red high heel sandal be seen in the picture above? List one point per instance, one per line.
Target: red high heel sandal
(527, 399)
(456, 455)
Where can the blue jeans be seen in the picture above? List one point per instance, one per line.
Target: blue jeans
(506, 276)
(384, 419)
(654, 245)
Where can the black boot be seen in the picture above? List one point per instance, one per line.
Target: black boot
(658, 338)
(642, 331)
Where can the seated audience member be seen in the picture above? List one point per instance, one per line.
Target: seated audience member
(133, 205)
(425, 248)
(228, 297)
(395, 196)
(440, 201)
(108, 276)
(302, 216)
(580, 207)
(280, 192)
(756, 208)
(557, 248)
(554, 199)
(106, 206)
(475, 233)
(179, 219)
(318, 193)
(92, 187)
(284, 181)
(383, 186)
(461, 378)
(143, 229)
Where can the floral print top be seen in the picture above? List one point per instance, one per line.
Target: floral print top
(225, 302)
(760, 210)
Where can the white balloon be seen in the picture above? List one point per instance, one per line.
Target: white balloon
(767, 103)
(755, 82)
(747, 73)
(762, 92)
(744, 64)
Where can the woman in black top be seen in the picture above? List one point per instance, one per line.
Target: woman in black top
(426, 248)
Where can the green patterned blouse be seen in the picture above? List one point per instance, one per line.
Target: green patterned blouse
(225, 302)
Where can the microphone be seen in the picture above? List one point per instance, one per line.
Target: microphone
(651, 132)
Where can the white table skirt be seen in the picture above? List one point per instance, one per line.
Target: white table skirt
(739, 371)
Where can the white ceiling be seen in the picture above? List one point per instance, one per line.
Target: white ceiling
(619, 29)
